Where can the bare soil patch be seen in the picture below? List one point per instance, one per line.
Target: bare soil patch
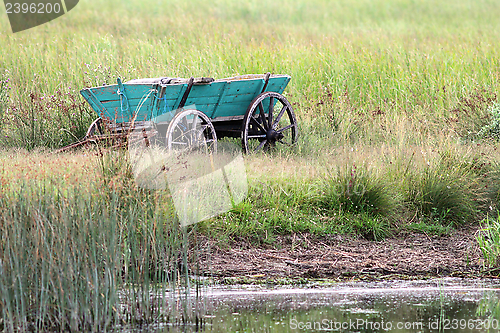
(412, 255)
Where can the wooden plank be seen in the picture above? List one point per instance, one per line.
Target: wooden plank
(277, 84)
(133, 102)
(230, 110)
(221, 96)
(229, 118)
(94, 103)
(145, 113)
(179, 97)
(133, 92)
(202, 100)
(138, 95)
(284, 84)
(208, 90)
(259, 89)
(248, 98)
(238, 95)
(106, 94)
(143, 110)
(243, 87)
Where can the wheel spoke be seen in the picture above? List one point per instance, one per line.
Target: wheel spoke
(255, 122)
(195, 122)
(183, 124)
(285, 128)
(203, 136)
(182, 136)
(192, 136)
(261, 145)
(278, 118)
(187, 136)
(257, 136)
(270, 116)
(262, 116)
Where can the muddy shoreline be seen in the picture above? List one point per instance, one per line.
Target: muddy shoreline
(340, 257)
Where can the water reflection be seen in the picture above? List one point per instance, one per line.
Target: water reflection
(449, 305)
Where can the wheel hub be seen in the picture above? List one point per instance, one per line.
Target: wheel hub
(273, 136)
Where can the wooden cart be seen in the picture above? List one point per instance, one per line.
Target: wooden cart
(249, 107)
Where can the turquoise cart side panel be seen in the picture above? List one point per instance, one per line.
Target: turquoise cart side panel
(137, 99)
(229, 98)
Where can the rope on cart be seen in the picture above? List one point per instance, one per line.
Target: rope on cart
(166, 108)
(121, 93)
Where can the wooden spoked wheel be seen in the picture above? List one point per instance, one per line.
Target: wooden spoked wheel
(269, 121)
(191, 131)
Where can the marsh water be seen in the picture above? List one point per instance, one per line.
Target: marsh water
(440, 305)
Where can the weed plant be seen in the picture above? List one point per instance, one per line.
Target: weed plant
(49, 121)
(492, 128)
(4, 95)
(489, 308)
(488, 239)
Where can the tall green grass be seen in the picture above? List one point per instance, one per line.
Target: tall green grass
(89, 257)
(363, 58)
(371, 192)
(488, 239)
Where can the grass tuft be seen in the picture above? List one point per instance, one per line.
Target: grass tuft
(374, 228)
(488, 239)
(356, 190)
(447, 190)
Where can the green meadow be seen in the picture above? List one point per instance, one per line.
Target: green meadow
(399, 122)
